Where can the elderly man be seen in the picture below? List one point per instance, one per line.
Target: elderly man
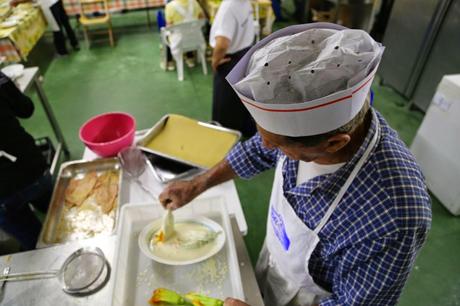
(349, 208)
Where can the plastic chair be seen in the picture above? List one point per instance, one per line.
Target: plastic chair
(86, 21)
(182, 38)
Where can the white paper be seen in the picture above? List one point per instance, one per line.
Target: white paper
(307, 118)
(309, 65)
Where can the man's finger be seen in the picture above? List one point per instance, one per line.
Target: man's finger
(165, 198)
(224, 60)
(234, 302)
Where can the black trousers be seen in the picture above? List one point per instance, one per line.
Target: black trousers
(227, 108)
(16, 217)
(62, 20)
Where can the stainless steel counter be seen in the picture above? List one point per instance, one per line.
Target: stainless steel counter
(48, 291)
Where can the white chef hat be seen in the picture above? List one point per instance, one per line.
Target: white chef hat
(307, 79)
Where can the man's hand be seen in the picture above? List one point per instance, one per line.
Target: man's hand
(234, 302)
(218, 54)
(179, 193)
(217, 63)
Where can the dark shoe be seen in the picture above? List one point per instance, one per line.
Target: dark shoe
(59, 55)
(76, 48)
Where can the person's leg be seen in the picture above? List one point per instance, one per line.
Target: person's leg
(58, 36)
(300, 14)
(64, 21)
(217, 96)
(59, 43)
(16, 217)
(44, 192)
(169, 59)
(18, 220)
(276, 6)
(227, 108)
(190, 59)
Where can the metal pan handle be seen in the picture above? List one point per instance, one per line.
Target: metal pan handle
(29, 275)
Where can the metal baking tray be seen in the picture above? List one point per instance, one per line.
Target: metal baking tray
(67, 171)
(136, 275)
(167, 167)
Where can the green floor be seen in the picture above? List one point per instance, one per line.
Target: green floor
(128, 78)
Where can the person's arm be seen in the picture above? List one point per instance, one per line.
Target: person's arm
(219, 52)
(21, 105)
(244, 160)
(234, 302)
(374, 272)
(16, 2)
(179, 193)
(199, 10)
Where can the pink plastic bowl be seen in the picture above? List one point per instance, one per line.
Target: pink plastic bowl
(109, 133)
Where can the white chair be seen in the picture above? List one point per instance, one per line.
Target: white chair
(182, 38)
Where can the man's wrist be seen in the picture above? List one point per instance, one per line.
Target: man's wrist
(200, 184)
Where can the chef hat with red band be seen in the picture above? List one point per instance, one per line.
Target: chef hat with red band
(307, 79)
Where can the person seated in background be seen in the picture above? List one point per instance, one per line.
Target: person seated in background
(176, 12)
(24, 175)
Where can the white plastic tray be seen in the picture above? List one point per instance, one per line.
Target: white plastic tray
(136, 276)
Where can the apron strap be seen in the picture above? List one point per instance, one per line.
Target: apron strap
(12, 158)
(352, 175)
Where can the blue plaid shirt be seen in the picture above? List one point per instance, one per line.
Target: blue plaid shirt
(369, 244)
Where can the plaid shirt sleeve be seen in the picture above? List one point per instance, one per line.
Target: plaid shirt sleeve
(250, 158)
(374, 272)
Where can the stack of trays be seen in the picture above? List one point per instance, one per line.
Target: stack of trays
(178, 146)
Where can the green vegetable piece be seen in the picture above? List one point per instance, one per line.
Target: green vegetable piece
(162, 296)
(200, 300)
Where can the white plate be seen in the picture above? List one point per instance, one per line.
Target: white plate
(9, 23)
(146, 235)
(13, 71)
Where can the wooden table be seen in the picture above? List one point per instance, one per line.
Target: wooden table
(72, 7)
(17, 42)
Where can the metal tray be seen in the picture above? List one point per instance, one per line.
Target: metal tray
(158, 127)
(166, 169)
(136, 276)
(69, 170)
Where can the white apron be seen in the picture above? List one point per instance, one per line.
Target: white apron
(282, 269)
(176, 37)
(45, 6)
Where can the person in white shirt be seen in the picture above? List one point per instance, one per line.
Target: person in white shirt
(232, 33)
(57, 19)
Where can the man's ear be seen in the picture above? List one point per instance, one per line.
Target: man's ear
(337, 142)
